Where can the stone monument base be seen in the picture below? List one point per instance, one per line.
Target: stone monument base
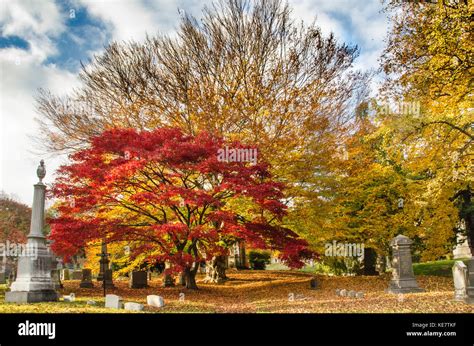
(87, 285)
(399, 290)
(469, 300)
(404, 286)
(31, 296)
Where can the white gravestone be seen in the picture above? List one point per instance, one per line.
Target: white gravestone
(133, 306)
(460, 280)
(113, 301)
(70, 298)
(155, 301)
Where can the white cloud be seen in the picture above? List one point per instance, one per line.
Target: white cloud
(127, 20)
(308, 11)
(34, 21)
(22, 73)
(19, 84)
(40, 23)
(354, 22)
(358, 21)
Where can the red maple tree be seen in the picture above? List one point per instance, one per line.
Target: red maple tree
(169, 193)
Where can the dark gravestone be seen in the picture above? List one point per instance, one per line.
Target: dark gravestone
(77, 275)
(370, 260)
(86, 281)
(108, 279)
(138, 279)
(313, 284)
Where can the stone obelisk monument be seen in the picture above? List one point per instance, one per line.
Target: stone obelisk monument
(33, 281)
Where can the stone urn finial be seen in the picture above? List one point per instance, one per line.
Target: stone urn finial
(41, 171)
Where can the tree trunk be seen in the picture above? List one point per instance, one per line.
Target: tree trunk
(182, 279)
(190, 278)
(215, 270)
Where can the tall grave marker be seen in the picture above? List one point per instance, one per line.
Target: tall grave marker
(33, 281)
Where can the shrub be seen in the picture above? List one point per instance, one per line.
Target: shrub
(258, 259)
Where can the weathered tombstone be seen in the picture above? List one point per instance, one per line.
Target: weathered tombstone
(3, 269)
(33, 281)
(155, 301)
(113, 301)
(360, 295)
(463, 249)
(167, 278)
(55, 275)
(460, 280)
(351, 294)
(65, 275)
(11, 278)
(86, 281)
(343, 293)
(403, 278)
(133, 306)
(138, 279)
(77, 275)
(470, 282)
(70, 298)
(338, 291)
(55, 278)
(91, 302)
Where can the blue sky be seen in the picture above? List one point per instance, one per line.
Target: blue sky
(43, 42)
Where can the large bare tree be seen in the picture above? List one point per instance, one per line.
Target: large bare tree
(246, 70)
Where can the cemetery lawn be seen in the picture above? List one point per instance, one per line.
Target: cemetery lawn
(263, 292)
(439, 268)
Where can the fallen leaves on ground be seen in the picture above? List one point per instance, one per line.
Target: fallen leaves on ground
(264, 292)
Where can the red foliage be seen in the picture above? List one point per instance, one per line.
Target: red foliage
(167, 191)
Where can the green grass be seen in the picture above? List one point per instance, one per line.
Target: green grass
(276, 266)
(436, 268)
